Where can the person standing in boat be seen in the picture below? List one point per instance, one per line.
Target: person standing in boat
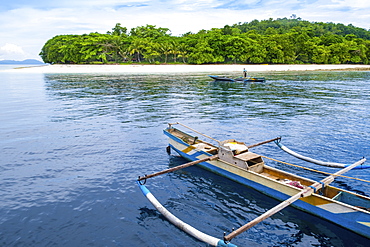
(244, 72)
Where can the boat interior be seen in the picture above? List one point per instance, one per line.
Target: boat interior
(238, 154)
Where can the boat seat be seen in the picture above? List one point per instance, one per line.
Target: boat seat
(247, 156)
(205, 147)
(254, 161)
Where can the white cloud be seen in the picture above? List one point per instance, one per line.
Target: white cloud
(351, 3)
(12, 52)
(30, 23)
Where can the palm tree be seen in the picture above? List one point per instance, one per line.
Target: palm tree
(137, 46)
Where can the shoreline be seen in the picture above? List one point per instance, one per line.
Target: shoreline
(182, 68)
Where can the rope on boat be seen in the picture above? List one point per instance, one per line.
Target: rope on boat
(170, 124)
(182, 225)
(313, 170)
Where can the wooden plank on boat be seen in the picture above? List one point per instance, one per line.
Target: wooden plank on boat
(247, 156)
(304, 193)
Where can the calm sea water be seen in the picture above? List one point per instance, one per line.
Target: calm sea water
(72, 146)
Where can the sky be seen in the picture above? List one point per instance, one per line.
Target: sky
(26, 25)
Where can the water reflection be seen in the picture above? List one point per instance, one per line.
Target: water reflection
(147, 97)
(311, 108)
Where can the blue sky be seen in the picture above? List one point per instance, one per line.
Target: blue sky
(25, 25)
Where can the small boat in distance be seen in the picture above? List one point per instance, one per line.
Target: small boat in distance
(234, 160)
(239, 79)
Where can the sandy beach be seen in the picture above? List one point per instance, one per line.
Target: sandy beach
(153, 69)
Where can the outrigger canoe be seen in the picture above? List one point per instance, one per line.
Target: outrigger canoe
(234, 160)
(239, 79)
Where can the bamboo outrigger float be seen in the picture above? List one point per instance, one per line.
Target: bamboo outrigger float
(315, 161)
(233, 160)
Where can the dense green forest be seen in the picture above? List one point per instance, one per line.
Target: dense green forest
(280, 41)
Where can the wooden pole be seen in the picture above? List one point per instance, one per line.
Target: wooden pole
(179, 167)
(304, 193)
(261, 143)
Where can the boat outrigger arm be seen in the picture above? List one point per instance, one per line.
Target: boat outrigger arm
(311, 160)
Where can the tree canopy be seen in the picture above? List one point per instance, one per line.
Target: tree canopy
(287, 41)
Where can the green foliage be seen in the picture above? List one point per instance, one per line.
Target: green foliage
(118, 30)
(286, 41)
(149, 31)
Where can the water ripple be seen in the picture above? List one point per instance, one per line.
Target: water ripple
(73, 144)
